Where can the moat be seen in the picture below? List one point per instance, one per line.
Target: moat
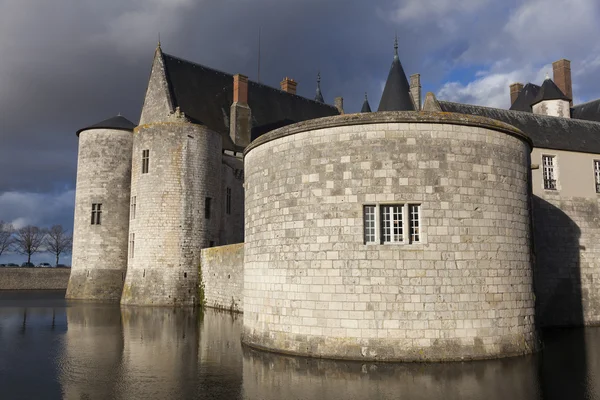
(54, 349)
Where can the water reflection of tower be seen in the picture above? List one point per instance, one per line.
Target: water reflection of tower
(90, 363)
(160, 354)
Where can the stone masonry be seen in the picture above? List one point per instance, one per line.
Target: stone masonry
(222, 271)
(313, 287)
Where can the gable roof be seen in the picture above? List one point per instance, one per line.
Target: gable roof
(545, 131)
(205, 96)
(396, 94)
(549, 91)
(118, 123)
(589, 111)
(526, 98)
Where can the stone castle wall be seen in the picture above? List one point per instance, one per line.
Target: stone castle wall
(232, 224)
(311, 285)
(170, 226)
(34, 278)
(99, 259)
(222, 270)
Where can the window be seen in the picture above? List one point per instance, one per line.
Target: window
(414, 211)
(207, 208)
(131, 244)
(549, 172)
(96, 213)
(369, 216)
(133, 206)
(391, 224)
(228, 201)
(597, 174)
(145, 161)
(211, 243)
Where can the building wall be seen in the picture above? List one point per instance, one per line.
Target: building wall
(99, 259)
(232, 224)
(170, 225)
(222, 271)
(311, 285)
(554, 108)
(34, 278)
(567, 240)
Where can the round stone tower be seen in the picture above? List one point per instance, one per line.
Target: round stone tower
(389, 236)
(101, 224)
(176, 184)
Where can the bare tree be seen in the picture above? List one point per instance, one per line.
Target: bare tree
(58, 241)
(6, 236)
(29, 240)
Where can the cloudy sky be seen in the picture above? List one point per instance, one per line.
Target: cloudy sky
(66, 64)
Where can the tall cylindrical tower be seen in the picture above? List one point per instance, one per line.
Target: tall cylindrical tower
(176, 179)
(101, 210)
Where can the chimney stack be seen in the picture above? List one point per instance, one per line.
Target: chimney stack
(515, 89)
(562, 77)
(415, 90)
(240, 118)
(289, 85)
(339, 104)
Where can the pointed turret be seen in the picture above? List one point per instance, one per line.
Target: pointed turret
(550, 100)
(396, 94)
(366, 108)
(319, 95)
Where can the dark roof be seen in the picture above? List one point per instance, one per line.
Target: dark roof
(118, 123)
(549, 91)
(366, 107)
(526, 98)
(258, 131)
(205, 96)
(546, 132)
(589, 111)
(396, 94)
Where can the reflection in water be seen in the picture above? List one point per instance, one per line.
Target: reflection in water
(95, 351)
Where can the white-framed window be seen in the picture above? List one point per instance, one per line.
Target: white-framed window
(549, 171)
(392, 223)
(133, 207)
(369, 213)
(131, 245)
(414, 211)
(597, 175)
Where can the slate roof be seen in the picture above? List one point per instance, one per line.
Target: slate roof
(546, 132)
(396, 94)
(205, 96)
(366, 107)
(549, 91)
(589, 111)
(119, 123)
(526, 98)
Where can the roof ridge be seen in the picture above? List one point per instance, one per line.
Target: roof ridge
(524, 112)
(586, 103)
(249, 80)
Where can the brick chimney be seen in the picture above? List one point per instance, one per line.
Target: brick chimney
(240, 119)
(339, 104)
(515, 89)
(415, 90)
(562, 77)
(289, 85)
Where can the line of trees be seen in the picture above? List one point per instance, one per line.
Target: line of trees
(32, 239)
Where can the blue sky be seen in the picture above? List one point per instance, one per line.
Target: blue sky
(67, 64)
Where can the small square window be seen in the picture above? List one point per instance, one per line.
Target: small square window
(96, 213)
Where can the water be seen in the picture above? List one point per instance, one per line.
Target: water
(51, 349)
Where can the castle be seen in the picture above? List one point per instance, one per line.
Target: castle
(440, 231)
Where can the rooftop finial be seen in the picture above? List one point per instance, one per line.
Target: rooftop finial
(366, 96)
(547, 75)
(319, 78)
(396, 45)
(319, 95)
(158, 39)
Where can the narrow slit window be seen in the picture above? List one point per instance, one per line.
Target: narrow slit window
(597, 174)
(133, 207)
(369, 218)
(207, 202)
(96, 213)
(131, 245)
(228, 201)
(414, 211)
(392, 229)
(549, 172)
(145, 161)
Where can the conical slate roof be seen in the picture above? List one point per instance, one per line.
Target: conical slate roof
(366, 108)
(396, 94)
(526, 98)
(319, 95)
(549, 91)
(118, 123)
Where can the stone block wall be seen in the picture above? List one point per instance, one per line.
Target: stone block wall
(34, 278)
(313, 287)
(232, 224)
(222, 271)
